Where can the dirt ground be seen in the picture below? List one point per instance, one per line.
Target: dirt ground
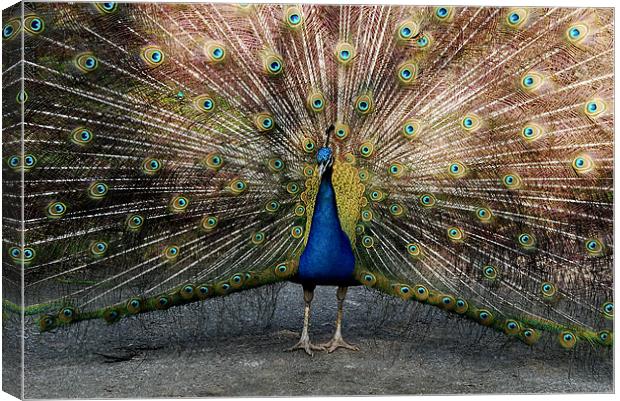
(235, 347)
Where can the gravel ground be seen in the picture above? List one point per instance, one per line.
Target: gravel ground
(235, 347)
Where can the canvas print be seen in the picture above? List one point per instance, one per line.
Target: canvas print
(407, 199)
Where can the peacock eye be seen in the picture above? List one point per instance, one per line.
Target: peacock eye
(272, 206)
(107, 7)
(516, 17)
(10, 29)
(316, 101)
(366, 149)
(99, 248)
(577, 33)
(87, 62)
(14, 252)
(215, 52)
(33, 24)
(548, 290)
(368, 241)
(427, 200)
(407, 72)
(152, 56)
(406, 30)
(414, 249)
(134, 222)
(443, 13)
(179, 204)
(490, 272)
(292, 188)
(258, 237)
(81, 136)
(293, 17)
(208, 223)
(98, 190)
(608, 310)
(411, 129)
(511, 181)
(56, 210)
(273, 65)
(363, 104)
(13, 161)
(526, 240)
(456, 169)
(595, 107)
(455, 234)
(470, 123)
(531, 81)
(297, 231)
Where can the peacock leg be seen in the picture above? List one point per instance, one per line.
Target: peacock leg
(337, 341)
(304, 342)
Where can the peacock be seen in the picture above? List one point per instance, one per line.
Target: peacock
(157, 155)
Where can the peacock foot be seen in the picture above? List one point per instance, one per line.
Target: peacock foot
(338, 342)
(306, 345)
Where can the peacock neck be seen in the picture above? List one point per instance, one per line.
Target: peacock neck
(328, 258)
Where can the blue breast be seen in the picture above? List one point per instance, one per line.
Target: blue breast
(328, 258)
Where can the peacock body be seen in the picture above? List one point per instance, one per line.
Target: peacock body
(157, 155)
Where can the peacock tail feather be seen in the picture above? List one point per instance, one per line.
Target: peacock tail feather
(167, 155)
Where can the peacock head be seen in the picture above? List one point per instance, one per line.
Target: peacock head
(324, 158)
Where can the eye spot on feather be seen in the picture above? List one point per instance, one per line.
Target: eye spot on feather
(10, 29)
(512, 181)
(577, 33)
(424, 42)
(461, 306)
(134, 222)
(237, 186)
(134, 306)
(411, 129)
(151, 166)
(443, 13)
(187, 292)
(204, 103)
(582, 164)
(272, 206)
(273, 65)
(214, 161)
(485, 317)
(293, 188)
(33, 24)
(368, 241)
(111, 315)
(171, 252)
(567, 339)
(366, 149)
(366, 215)
(293, 18)
(605, 337)
(527, 241)
(275, 164)
(512, 327)
(215, 52)
(548, 290)
(369, 279)
(420, 293)
(608, 310)
(427, 200)
(457, 169)
(489, 272)
(203, 291)
(364, 104)
(264, 122)
(67, 314)
(448, 302)
(22, 97)
(162, 302)
(363, 175)
(414, 249)
(516, 17)
(81, 136)
(98, 248)
(308, 145)
(594, 108)
(47, 322)
(407, 72)
(407, 30)
(342, 131)
(470, 123)
(297, 232)
(455, 234)
(86, 62)
(98, 190)
(258, 237)
(309, 169)
(282, 270)
(594, 247)
(179, 204)
(316, 101)
(396, 170)
(153, 56)
(56, 210)
(377, 195)
(484, 214)
(396, 209)
(208, 223)
(531, 132)
(300, 210)
(107, 7)
(359, 229)
(345, 53)
(404, 291)
(531, 81)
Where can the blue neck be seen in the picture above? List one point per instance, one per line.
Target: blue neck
(328, 258)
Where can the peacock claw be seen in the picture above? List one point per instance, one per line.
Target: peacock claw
(307, 346)
(338, 342)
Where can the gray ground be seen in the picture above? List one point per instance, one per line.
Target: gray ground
(233, 347)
